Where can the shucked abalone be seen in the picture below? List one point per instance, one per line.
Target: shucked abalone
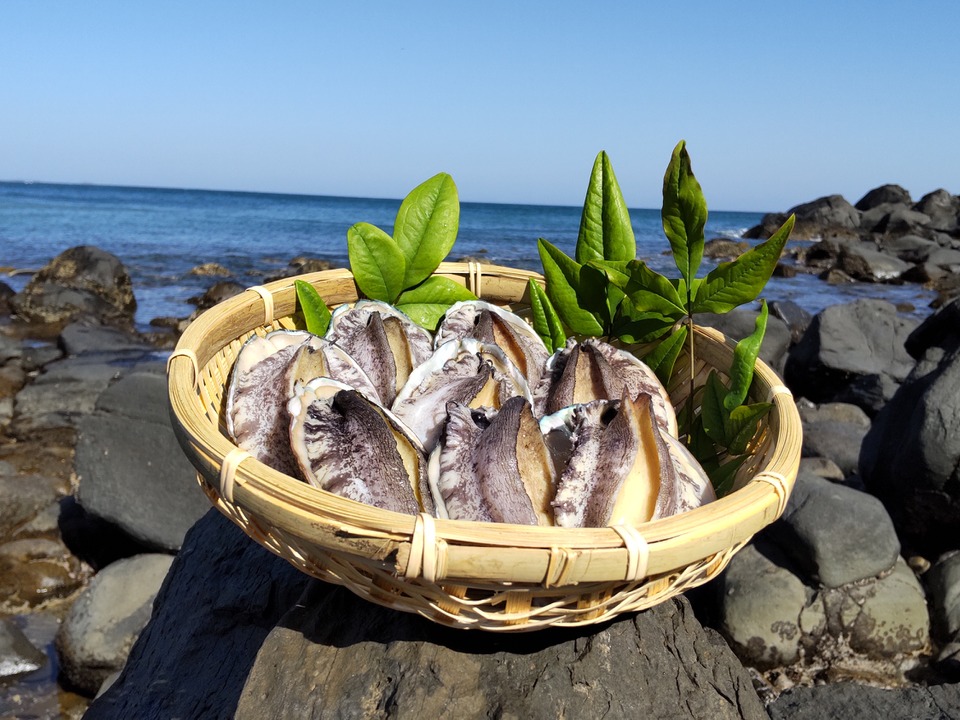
(359, 413)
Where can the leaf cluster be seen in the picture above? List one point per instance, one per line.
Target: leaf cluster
(605, 291)
(398, 269)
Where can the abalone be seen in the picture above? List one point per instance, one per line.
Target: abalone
(492, 324)
(493, 466)
(596, 370)
(385, 343)
(352, 447)
(466, 371)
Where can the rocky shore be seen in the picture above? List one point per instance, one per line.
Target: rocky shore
(119, 582)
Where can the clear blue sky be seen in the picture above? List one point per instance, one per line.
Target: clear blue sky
(780, 102)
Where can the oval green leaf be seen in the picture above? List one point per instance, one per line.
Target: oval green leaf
(426, 227)
(316, 314)
(377, 263)
(426, 303)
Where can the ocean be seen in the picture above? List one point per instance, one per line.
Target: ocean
(161, 234)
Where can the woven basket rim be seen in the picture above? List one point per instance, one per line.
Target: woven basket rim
(391, 534)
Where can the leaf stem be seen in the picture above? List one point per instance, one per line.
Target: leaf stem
(692, 384)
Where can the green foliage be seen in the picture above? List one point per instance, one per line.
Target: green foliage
(607, 292)
(399, 269)
(316, 314)
(546, 322)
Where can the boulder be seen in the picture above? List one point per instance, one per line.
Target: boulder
(821, 218)
(943, 209)
(87, 338)
(910, 458)
(232, 636)
(909, 248)
(218, 292)
(105, 620)
(724, 249)
(885, 194)
(902, 221)
(131, 469)
(863, 262)
(64, 392)
(834, 431)
(83, 280)
(766, 610)
(852, 701)
(851, 352)
(835, 534)
(943, 583)
(210, 269)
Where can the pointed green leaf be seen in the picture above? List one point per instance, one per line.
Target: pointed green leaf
(426, 303)
(597, 295)
(605, 229)
(546, 322)
(316, 314)
(563, 287)
(734, 283)
(377, 263)
(715, 417)
(426, 226)
(684, 213)
(744, 423)
(744, 360)
(663, 357)
(642, 329)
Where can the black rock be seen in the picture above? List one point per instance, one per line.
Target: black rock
(910, 458)
(233, 636)
(861, 702)
(796, 318)
(883, 195)
(851, 352)
(83, 280)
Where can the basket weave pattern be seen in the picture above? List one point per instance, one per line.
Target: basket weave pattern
(466, 574)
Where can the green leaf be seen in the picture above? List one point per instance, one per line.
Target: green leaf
(377, 262)
(684, 213)
(744, 360)
(715, 417)
(665, 355)
(650, 291)
(723, 476)
(734, 283)
(426, 303)
(641, 329)
(597, 295)
(546, 322)
(426, 227)
(743, 425)
(316, 314)
(605, 229)
(563, 288)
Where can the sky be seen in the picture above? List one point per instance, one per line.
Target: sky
(779, 102)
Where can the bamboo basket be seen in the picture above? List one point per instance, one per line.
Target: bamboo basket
(464, 574)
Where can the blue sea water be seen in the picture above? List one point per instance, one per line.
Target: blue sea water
(160, 234)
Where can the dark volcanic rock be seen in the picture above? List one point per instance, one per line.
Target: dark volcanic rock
(860, 702)
(851, 353)
(795, 317)
(741, 322)
(83, 280)
(911, 456)
(862, 261)
(231, 636)
(131, 469)
(218, 292)
(893, 194)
